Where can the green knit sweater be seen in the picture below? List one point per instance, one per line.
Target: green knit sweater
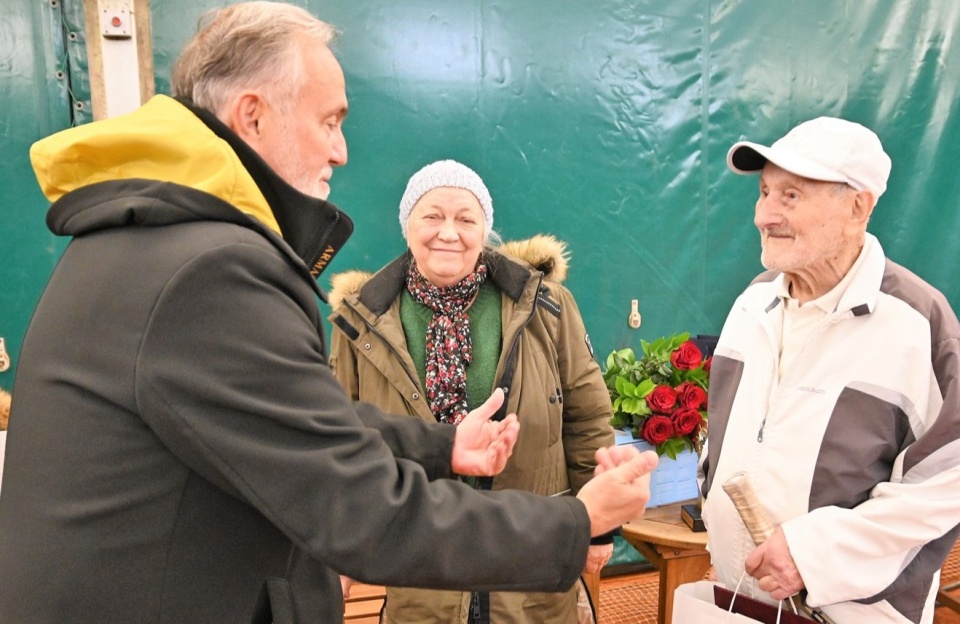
(486, 332)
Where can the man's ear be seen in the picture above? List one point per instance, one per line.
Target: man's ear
(244, 115)
(863, 203)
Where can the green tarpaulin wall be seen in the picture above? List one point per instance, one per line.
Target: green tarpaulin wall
(604, 123)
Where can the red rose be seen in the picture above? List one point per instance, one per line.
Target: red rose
(662, 399)
(691, 395)
(686, 420)
(707, 363)
(657, 430)
(687, 356)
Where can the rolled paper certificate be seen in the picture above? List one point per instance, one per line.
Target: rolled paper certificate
(755, 518)
(744, 498)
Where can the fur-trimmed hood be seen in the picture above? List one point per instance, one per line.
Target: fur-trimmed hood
(543, 252)
(5, 399)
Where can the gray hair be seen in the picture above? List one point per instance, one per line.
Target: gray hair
(248, 45)
(838, 189)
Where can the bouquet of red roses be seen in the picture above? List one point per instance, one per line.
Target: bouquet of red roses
(661, 397)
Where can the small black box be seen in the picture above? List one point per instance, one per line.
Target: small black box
(691, 517)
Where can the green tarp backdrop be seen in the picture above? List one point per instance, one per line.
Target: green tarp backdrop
(604, 123)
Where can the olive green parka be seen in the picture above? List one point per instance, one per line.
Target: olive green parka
(546, 368)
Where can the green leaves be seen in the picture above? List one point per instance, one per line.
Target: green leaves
(661, 348)
(674, 446)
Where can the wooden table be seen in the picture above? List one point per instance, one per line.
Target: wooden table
(678, 553)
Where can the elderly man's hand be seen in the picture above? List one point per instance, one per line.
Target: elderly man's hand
(772, 565)
(482, 446)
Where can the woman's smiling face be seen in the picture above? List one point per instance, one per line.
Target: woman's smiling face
(445, 233)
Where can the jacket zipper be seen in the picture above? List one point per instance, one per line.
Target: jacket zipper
(516, 337)
(321, 241)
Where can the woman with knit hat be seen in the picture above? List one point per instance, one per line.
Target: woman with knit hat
(436, 330)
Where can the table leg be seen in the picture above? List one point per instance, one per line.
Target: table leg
(677, 568)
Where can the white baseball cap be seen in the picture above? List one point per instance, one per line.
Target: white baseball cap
(825, 148)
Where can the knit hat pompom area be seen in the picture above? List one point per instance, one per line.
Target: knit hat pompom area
(444, 173)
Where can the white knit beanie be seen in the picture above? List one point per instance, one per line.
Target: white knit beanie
(439, 174)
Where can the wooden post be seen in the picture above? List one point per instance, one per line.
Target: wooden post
(121, 66)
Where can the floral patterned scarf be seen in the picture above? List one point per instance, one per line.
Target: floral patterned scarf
(449, 348)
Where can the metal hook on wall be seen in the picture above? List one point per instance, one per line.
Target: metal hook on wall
(633, 320)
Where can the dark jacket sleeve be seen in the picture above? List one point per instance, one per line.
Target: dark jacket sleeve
(231, 377)
(411, 440)
(430, 445)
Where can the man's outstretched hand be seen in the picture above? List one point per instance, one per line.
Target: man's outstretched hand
(612, 456)
(620, 488)
(482, 446)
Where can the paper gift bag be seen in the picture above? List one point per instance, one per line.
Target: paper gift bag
(756, 609)
(695, 603)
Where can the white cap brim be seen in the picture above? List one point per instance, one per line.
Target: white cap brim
(746, 158)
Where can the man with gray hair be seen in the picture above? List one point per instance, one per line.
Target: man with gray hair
(834, 387)
(181, 451)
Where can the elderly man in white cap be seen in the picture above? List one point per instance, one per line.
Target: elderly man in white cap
(834, 387)
(436, 330)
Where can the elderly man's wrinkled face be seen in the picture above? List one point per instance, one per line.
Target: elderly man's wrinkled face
(804, 224)
(445, 234)
(304, 144)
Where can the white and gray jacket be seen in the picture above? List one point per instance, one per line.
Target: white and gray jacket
(855, 452)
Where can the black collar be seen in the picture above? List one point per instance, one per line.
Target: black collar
(314, 228)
